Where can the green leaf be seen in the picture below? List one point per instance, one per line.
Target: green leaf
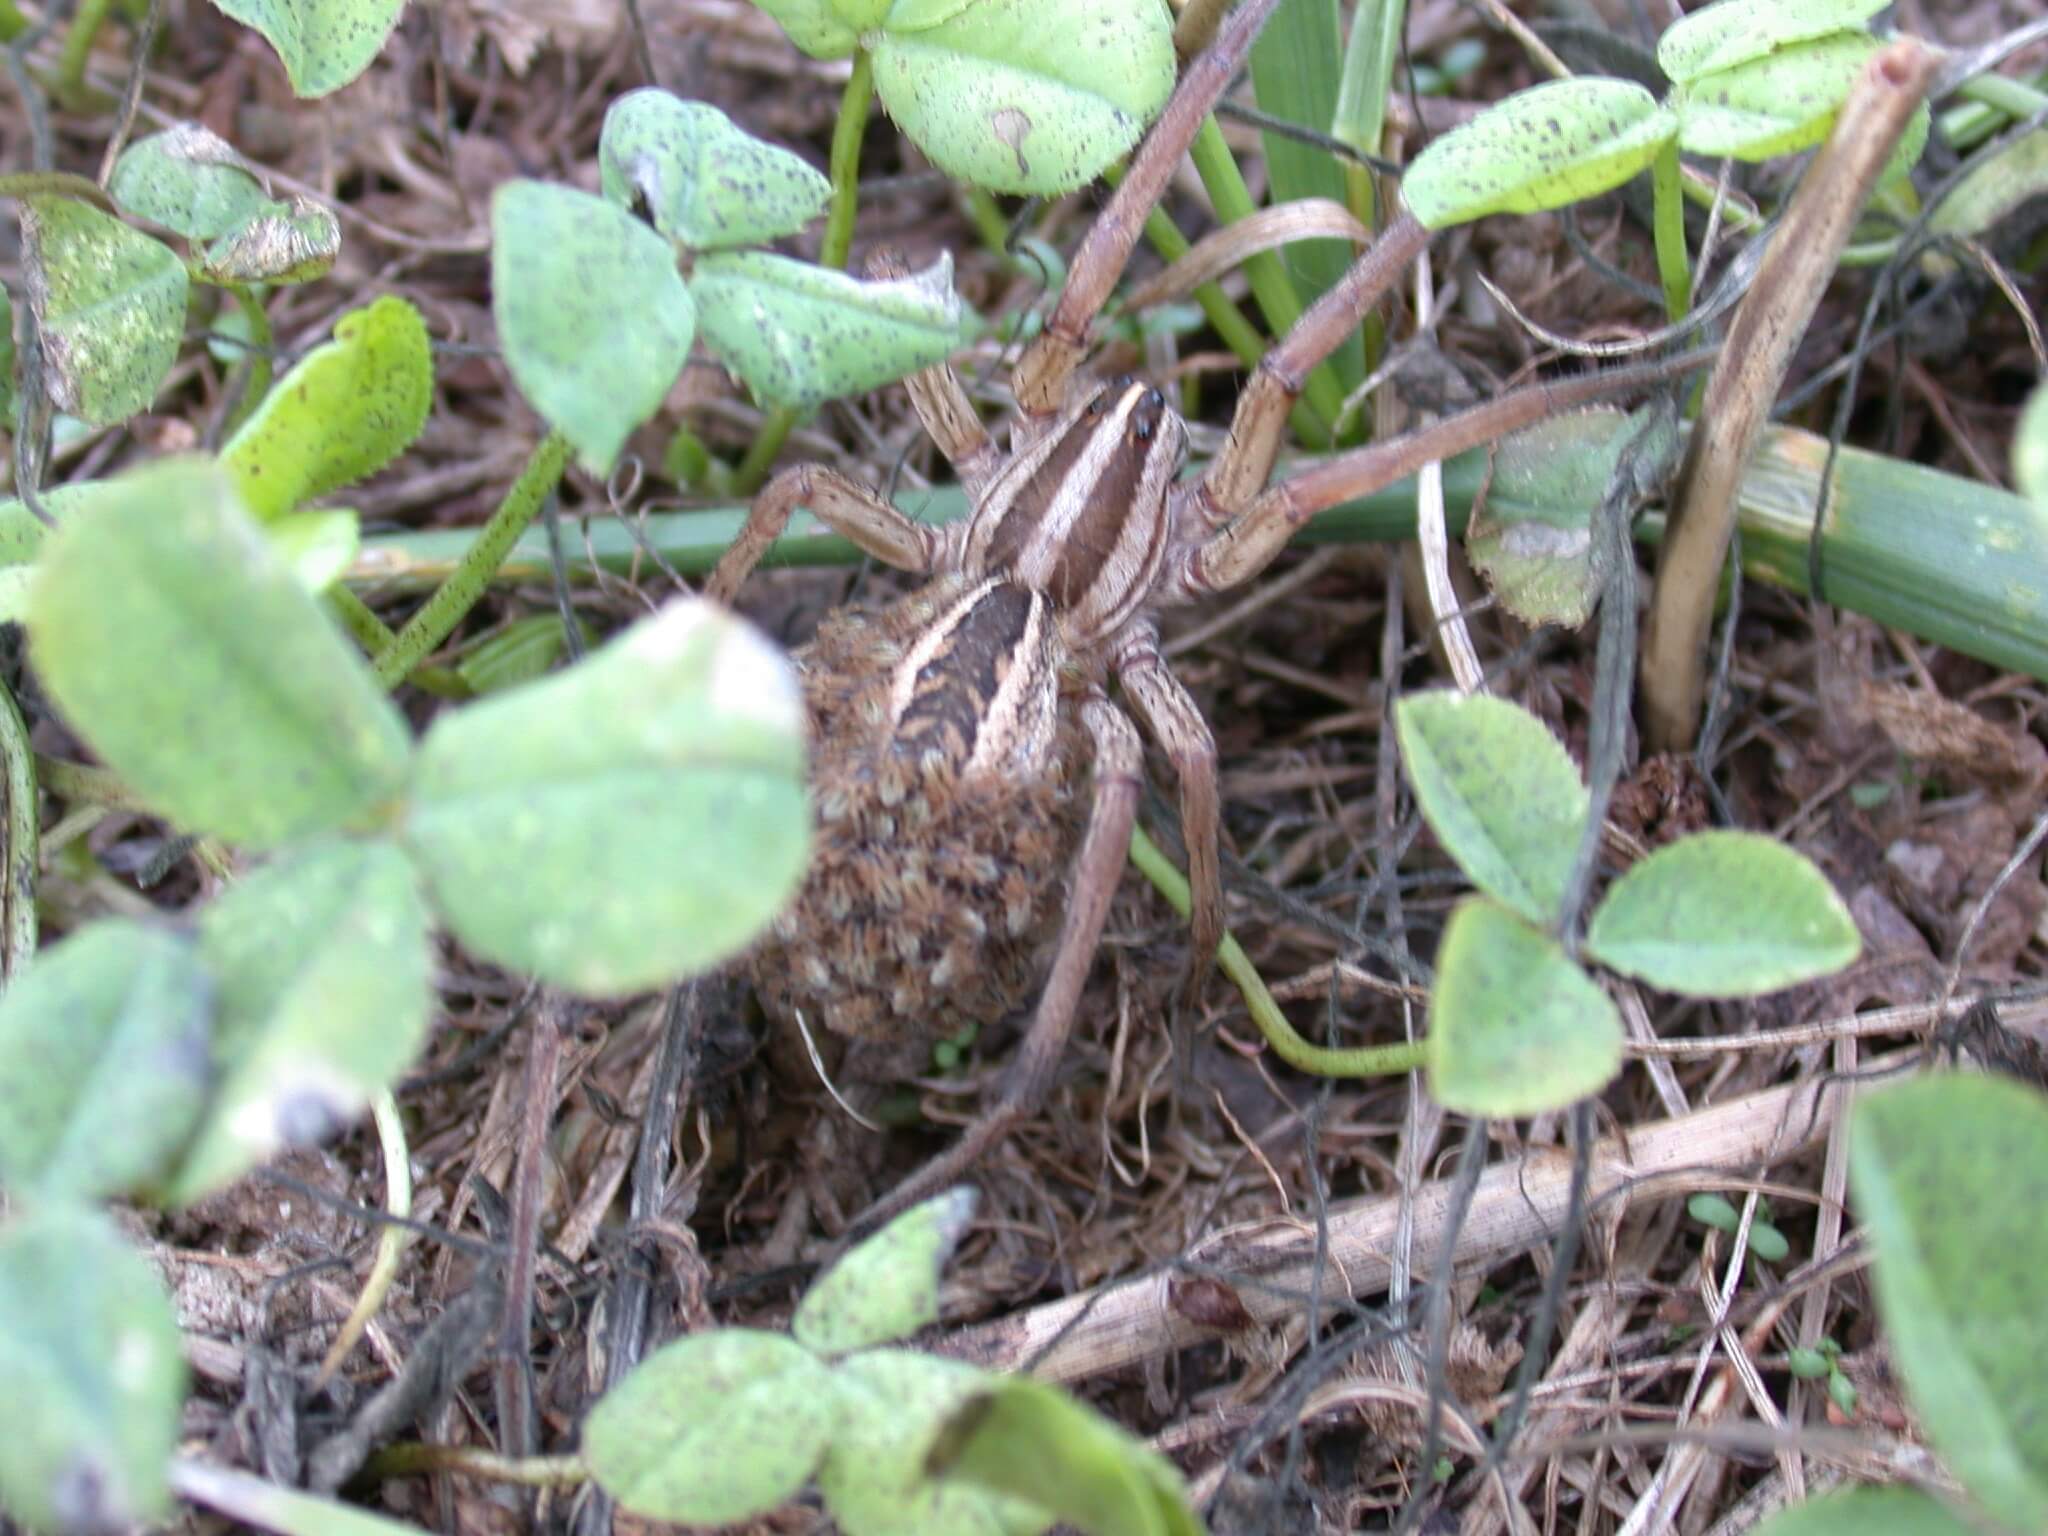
(1030, 1440)
(92, 1360)
(178, 644)
(291, 242)
(523, 650)
(1531, 537)
(1499, 793)
(888, 1287)
(2030, 449)
(2015, 172)
(1895, 1511)
(109, 304)
(705, 183)
(1734, 32)
(799, 334)
(1951, 1175)
(713, 1429)
(1723, 914)
(318, 546)
(815, 26)
(636, 818)
(593, 316)
(1034, 97)
(188, 179)
(323, 963)
(346, 409)
(1514, 1027)
(104, 1062)
(324, 44)
(1775, 105)
(1542, 148)
(895, 1405)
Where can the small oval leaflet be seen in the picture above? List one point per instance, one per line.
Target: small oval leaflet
(704, 182)
(1515, 1028)
(1542, 148)
(888, 1287)
(713, 1429)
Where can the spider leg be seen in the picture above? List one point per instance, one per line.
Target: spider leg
(942, 405)
(1242, 550)
(1041, 375)
(1177, 724)
(1239, 472)
(1119, 764)
(842, 504)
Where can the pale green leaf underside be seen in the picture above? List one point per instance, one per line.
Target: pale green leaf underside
(704, 182)
(323, 44)
(188, 179)
(888, 1287)
(109, 304)
(1774, 105)
(1733, 32)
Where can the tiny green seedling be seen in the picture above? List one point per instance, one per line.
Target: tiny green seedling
(1766, 1242)
(1516, 1025)
(728, 1425)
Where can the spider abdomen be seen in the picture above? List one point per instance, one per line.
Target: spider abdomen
(949, 793)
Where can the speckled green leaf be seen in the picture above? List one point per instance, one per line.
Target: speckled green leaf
(290, 242)
(706, 184)
(520, 652)
(104, 1062)
(91, 1356)
(2030, 449)
(1514, 1027)
(895, 1404)
(346, 409)
(109, 303)
(816, 25)
(178, 643)
(323, 44)
(1542, 148)
(1774, 105)
(1028, 1439)
(713, 1429)
(1033, 97)
(189, 179)
(798, 334)
(636, 818)
(1951, 1176)
(1733, 32)
(325, 993)
(593, 316)
(1893, 1511)
(1499, 793)
(1723, 914)
(888, 1287)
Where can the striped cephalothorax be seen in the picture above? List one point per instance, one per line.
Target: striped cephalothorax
(952, 732)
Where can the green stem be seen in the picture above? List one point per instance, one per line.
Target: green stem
(85, 26)
(847, 134)
(256, 379)
(414, 1459)
(363, 626)
(438, 616)
(391, 1241)
(2015, 98)
(1266, 272)
(844, 165)
(12, 22)
(23, 853)
(1360, 1061)
(1667, 191)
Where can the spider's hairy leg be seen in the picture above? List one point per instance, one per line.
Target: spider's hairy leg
(1177, 725)
(1248, 545)
(1238, 473)
(843, 504)
(1118, 775)
(1041, 374)
(942, 405)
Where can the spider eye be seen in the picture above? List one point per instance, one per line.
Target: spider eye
(1155, 399)
(1095, 406)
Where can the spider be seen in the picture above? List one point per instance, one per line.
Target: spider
(953, 731)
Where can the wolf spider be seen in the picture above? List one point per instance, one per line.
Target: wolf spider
(951, 731)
